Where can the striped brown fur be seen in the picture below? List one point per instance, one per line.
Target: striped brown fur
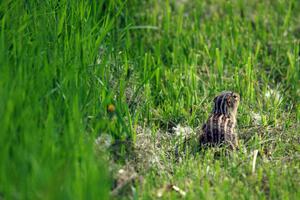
(220, 126)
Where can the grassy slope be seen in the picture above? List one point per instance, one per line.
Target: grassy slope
(161, 62)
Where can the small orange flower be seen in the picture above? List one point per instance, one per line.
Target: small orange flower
(111, 108)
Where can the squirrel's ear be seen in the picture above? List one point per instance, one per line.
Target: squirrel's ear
(228, 100)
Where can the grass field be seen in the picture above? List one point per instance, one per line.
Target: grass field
(73, 71)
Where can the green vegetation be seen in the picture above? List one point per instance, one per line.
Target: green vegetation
(159, 63)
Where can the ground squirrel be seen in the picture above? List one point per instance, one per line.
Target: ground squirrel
(220, 126)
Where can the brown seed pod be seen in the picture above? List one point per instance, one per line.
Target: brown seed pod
(111, 108)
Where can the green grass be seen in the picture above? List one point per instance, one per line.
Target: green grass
(159, 63)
